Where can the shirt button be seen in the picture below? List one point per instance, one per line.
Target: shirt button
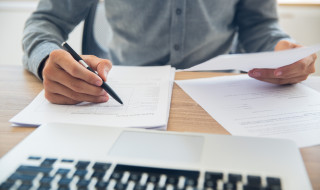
(176, 47)
(178, 11)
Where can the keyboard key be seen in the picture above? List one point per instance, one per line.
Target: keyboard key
(135, 176)
(249, 187)
(213, 176)
(83, 184)
(210, 184)
(159, 188)
(6, 185)
(101, 185)
(99, 166)
(139, 187)
(254, 180)
(170, 172)
(229, 186)
(34, 158)
(173, 180)
(97, 174)
(67, 160)
(63, 172)
(82, 165)
(64, 182)
(44, 188)
(273, 183)
(33, 170)
(153, 178)
(48, 162)
(25, 179)
(234, 178)
(80, 173)
(191, 182)
(120, 186)
(25, 187)
(46, 181)
(116, 175)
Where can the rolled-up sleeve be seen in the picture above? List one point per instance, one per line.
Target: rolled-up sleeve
(48, 27)
(258, 25)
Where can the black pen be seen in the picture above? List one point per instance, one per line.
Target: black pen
(104, 85)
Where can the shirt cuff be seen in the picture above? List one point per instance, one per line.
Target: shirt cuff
(37, 56)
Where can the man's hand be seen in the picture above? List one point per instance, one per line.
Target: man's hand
(290, 74)
(67, 82)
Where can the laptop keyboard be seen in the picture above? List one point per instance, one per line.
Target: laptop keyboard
(52, 173)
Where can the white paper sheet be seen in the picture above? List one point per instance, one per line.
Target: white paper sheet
(145, 91)
(246, 62)
(248, 107)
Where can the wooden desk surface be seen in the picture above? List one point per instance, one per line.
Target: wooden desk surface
(18, 88)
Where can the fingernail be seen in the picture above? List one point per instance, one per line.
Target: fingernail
(278, 73)
(103, 98)
(256, 74)
(98, 83)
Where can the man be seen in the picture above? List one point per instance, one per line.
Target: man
(182, 33)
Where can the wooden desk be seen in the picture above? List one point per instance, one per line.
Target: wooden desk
(18, 88)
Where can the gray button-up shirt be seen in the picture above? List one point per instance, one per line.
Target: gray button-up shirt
(181, 33)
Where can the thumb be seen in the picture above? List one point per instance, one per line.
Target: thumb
(103, 69)
(284, 44)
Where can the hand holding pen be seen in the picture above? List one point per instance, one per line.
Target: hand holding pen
(66, 81)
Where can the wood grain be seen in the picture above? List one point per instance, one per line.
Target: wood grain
(19, 87)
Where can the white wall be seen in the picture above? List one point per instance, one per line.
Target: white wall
(13, 15)
(301, 22)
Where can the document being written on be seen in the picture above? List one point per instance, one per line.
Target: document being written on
(145, 91)
(248, 107)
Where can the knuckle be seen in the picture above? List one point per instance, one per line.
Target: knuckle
(73, 71)
(302, 66)
(55, 54)
(75, 86)
(49, 97)
(46, 83)
(75, 96)
(47, 71)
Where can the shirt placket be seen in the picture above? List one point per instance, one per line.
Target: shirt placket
(178, 10)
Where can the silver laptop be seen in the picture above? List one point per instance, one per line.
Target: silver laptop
(60, 156)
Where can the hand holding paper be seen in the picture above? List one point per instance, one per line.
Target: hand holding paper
(289, 74)
(246, 62)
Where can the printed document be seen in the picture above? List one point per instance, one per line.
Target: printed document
(248, 107)
(248, 61)
(145, 91)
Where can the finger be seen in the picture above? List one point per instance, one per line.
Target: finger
(57, 88)
(74, 84)
(262, 73)
(102, 66)
(75, 69)
(303, 66)
(281, 81)
(59, 99)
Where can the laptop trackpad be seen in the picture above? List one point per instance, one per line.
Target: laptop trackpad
(158, 146)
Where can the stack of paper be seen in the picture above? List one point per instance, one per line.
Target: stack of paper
(145, 91)
(248, 107)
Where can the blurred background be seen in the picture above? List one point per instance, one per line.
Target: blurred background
(299, 18)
